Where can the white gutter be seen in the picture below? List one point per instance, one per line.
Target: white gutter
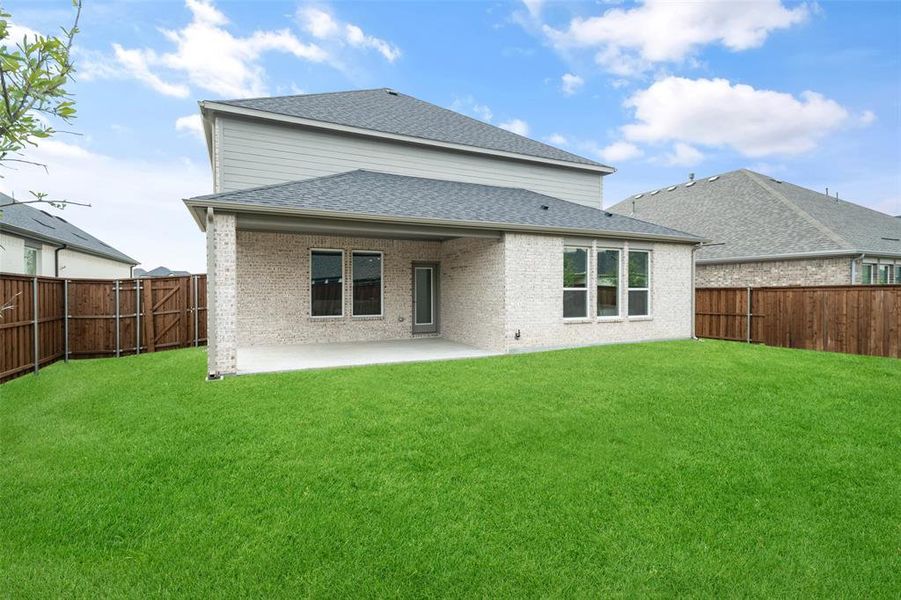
(228, 207)
(793, 256)
(210, 107)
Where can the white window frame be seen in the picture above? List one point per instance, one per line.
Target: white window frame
(432, 269)
(37, 260)
(619, 283)
(873, 273)
(648, 289)
(588, 250)
(381, 256)
(888, 273)
(343, 283)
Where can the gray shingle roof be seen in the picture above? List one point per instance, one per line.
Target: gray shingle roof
(753, 215)
(428, 200)
(26, 220)
(395, 113)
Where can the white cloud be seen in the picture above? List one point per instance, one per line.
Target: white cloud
(619, 152)
(628, 41)
(534, 7)
(468, 105)
(191, 124)
(714, 112)
(15, 33)
(135, 204)
(571, 83)
(557, 139)
(867, 117)
(684, 155)
(516, 126)
(206, 55)
(322, 25)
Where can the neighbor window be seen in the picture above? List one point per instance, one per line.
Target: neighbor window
(32, 258)
(868, 274)
(608, 283)
(326, 283)
(366, 272)
(884, 274)
(575, 282)
(639, 283)
(897, 273)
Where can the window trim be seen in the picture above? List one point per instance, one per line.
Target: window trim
(629, 288)
(587, 250)
(873, 274)
(381, 256)
(37, 260)
(310, 280)
(619, 283)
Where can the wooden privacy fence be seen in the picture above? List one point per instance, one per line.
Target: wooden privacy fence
(860, 319)
(49, 319)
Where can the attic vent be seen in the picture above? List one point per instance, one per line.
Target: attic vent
(42, 223)
(639, 196)
(79, 236)
(544, 207)
(775, 180)
(655, 192)
(690, 183)
(391, 92)
(714, 178)
(891, 239)
(670, 188)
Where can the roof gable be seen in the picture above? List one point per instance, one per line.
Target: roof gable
(391, 112)
(26, 220)
(748, 215)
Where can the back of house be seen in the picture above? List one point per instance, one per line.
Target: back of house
(372, 215)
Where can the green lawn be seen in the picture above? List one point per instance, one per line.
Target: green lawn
(685, 468)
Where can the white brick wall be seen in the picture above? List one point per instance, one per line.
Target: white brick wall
(534, 280)
(221, 293)
(814, 271)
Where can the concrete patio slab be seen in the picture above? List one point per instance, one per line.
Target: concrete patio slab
(267, 359)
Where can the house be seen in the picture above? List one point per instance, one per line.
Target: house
(159, 272)
(768, 232)
(371, 215)
(35, 242)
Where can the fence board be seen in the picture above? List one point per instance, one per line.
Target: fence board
(852, 319)
(165, 315)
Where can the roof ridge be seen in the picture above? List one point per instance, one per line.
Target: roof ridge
(301, 95)
(835, 237)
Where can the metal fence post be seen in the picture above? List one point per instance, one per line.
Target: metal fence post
(196, 313)
(137, 316)
(37, 343)
(66, 319)
(748, 324)
(117, 317)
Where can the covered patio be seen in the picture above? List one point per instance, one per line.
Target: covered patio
(293, 357)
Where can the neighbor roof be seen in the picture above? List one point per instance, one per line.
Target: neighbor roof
(361, 194)
(28, 221)
(747, 215)
(387, 111)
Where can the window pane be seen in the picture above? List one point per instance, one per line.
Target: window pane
(423, 296)
(575, 267)
(326, 294)
(638, 270)
(883, 274)
(31, 261)
(575, 304)
(898, 274)
(638, 303)
(867, 274)
(367, 275)
(608, 283)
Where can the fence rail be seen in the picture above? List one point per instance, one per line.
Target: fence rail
(46, 319)
(860, 319)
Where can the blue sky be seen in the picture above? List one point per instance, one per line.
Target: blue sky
(806, 92)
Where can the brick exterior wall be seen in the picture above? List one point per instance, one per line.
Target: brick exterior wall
(534, 279)
(814, 271)
(221, 295)
(472, 292)
(274, 289)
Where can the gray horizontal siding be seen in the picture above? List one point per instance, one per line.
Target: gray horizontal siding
(251, 154)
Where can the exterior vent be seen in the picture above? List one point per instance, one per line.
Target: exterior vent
(42, 223)
(714, 178)
(690, 183)
(391, 92)
(639, 196)
(655, 192)
(670, 188)
(545, 207)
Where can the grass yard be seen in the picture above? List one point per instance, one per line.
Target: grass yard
(686, 468)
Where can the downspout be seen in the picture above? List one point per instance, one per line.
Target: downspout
(56, 259)
(857, 269)
(694, 249)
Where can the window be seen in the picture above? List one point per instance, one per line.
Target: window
(32, 259)
(639, 283)
(575, 283)
(897, 273)
(884, 274)
(366, 272)
(608, 283)
(326, 283)
(868, 274)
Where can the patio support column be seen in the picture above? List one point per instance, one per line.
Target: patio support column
(222, 340)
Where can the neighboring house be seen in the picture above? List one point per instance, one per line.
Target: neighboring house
(34, 242)
(767, 232)
(159, 272)
(371, 215)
